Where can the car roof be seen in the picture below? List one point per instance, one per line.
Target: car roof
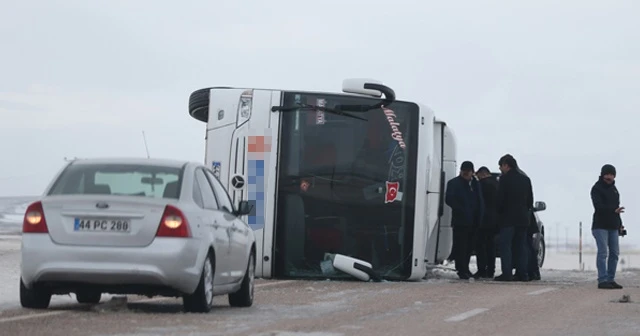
(136, 161)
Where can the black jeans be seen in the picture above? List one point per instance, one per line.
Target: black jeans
(463, 242)
(486, 251)
(515, 236)
(534, 269)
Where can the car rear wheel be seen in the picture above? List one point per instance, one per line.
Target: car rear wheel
(201, 301)
(34, 297)
(244, 296)
(541, 252)
(91, 297)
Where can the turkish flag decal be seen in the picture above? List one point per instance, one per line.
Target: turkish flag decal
(392, 191)
(304, 185)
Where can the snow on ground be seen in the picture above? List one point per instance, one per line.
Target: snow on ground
(12, 211)
(570, 260)
(559, 265)
(10, 275)
(9, 271)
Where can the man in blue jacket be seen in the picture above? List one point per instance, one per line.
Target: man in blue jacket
(464, 196)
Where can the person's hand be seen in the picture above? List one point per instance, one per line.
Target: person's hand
(620, 210)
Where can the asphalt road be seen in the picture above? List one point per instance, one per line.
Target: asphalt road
(564, 303)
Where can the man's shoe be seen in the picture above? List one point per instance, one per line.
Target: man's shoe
(521, 278)
(615, 285)
(488, 276)
(606, 285)
(503, 277)
(463, 275)
(479, 275)
(535, 277)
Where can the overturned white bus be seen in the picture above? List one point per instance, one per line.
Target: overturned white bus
(357, 173)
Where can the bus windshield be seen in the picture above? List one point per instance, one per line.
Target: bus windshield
(345, 185)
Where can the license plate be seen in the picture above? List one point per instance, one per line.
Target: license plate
(102, 225)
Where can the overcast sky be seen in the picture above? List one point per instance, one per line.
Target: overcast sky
(555, 83)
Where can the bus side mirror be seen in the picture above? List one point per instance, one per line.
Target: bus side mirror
(369, 87)
(244, 208)
(356, 85)
(539, 206)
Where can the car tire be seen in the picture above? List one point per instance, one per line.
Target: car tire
(91, 297)
(542, 251)
(201, 300)
(34, 297)
(244, 296)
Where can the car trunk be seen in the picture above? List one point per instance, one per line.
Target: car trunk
(103, 220)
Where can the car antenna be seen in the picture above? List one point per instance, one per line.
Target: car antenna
(144, 138)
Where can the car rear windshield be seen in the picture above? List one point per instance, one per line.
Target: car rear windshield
(119, 179)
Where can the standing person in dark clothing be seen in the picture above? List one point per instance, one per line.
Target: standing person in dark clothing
(532, 253)
(514, 206)
(487, 230)
(607, 226)
(464, 196)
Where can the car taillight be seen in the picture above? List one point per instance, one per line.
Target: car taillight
(34, 221)
(173, 224)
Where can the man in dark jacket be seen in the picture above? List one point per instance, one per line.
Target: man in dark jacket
(532, 250)
(464, 196)
(606, 226)
(486, 233)
(514, 206)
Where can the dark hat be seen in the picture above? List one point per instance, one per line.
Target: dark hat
(466, 166)
(608, 169)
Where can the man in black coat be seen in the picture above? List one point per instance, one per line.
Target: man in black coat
(607, 226)
(464, 196)
(532, 250)
(487, 230)
(514, 206)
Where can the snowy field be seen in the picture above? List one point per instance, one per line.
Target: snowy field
(12, 210)
(558, 264)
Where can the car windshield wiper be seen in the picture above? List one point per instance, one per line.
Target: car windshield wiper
(314, 107)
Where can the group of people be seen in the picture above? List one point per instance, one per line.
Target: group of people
(484, 209)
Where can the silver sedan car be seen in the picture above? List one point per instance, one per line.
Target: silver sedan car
(137, 226)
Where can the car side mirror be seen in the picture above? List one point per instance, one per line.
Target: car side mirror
(244, 208)
(539, 206)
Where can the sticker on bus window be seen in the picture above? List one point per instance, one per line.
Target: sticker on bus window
(392, 191)
(304, 185)
(396, 134)
(320, 113)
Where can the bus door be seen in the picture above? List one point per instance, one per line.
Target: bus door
(253, 165)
